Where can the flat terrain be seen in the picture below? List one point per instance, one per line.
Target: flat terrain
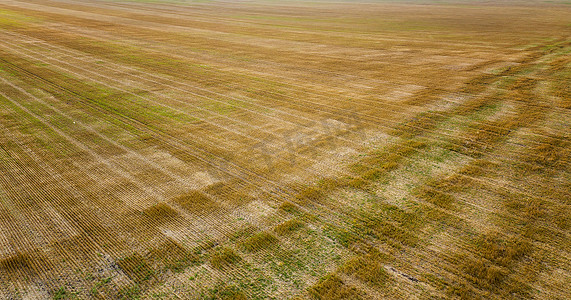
(285, 149)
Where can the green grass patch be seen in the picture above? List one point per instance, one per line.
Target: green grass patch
(63, 293)
(344, 237)
(10, 19)
(225, 292)
(131, 292)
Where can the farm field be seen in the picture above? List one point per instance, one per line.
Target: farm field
(285, 149)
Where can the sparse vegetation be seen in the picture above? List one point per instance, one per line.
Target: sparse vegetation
(288, 226)
(196, 202)
(227, 292)
(223, 257)
(436, 197)
(131, 292)
(368, 267)
(173, 256)
(332, 287)
(258, 242)
(136, 267)
(265, 150)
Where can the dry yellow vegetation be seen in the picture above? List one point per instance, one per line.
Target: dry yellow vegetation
(285, 149)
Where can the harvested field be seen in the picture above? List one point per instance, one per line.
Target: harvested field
(178, 149)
